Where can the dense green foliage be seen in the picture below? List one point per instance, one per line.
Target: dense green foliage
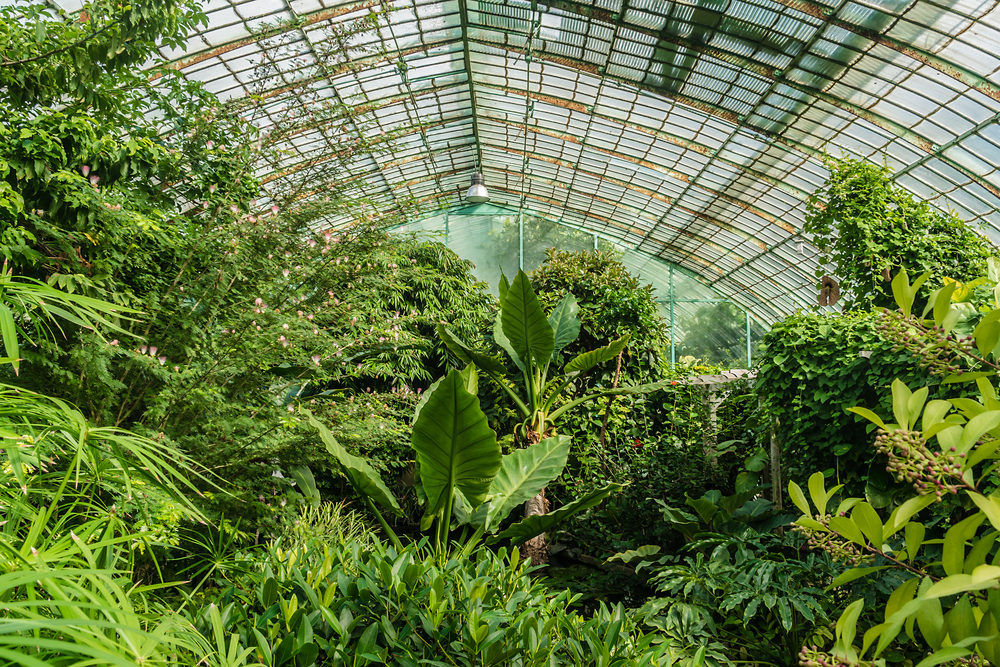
(868, 228)
(345, 603)
(225, 429)
(812, 368)
(612, 303)
(949, 587)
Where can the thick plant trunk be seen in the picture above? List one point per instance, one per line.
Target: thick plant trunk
(537, 548)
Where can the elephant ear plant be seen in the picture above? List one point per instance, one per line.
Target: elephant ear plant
(464, 477)
(534, 342)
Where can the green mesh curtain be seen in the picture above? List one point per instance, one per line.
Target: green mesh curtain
(702, 324)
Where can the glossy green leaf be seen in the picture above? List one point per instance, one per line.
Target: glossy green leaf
(501, 340)
(953, 549)
(914, 535)
(636, 554)
(359, 472)
(900, 403)
(869, 415)
(798, 498)
(503, 286)
(587, 360)
(867, 519)
(930, 618)
(819, 494)
(455, 446)
(466, 354)
(850, 575)
(523, 474)
(984, 576)
(540, 523)
(306, 484)
(906, 511)
(8, 331)
(977, 427)
(847, 528)
(847, 625)
(565, 322)
(949, 654)
(987, 332)
(523, 322)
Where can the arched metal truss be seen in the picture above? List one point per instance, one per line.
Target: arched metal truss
(691, 130)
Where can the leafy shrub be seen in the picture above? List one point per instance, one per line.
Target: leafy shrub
(738, 587)
(815, 366)
(344, 603)
(612, 304)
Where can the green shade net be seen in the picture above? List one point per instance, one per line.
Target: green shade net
(703, 324)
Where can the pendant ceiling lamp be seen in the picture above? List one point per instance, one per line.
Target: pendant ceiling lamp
(477, 193)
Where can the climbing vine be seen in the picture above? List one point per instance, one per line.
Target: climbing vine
(868, 228)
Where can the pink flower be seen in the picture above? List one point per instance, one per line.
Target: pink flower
(234, 208)
(152, 351)
(316, 359)
(94, 179)
(209, 144)
(283, 341)
(162, 360)
(258, 301)
(114, 342)
(212, 188)
(284, 326)
(285, 272)
(85, 169)
(142, 350)
(274, 208)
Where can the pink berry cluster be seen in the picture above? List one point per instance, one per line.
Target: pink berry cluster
(838, 547)
(939, 352)
(911, 461)
(813, 656)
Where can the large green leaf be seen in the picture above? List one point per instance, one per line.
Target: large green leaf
(503, 286)
(361, 475)
(455, 446)
(565, 322)
(8, 331)
(584, 362)
(523, 322)
(502, 341)
(540, 523)
(524, 473)
(307, 484)
(466, 354)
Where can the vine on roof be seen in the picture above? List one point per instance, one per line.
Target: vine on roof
(868, 228)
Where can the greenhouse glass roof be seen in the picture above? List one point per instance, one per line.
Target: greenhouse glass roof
(688, 131)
